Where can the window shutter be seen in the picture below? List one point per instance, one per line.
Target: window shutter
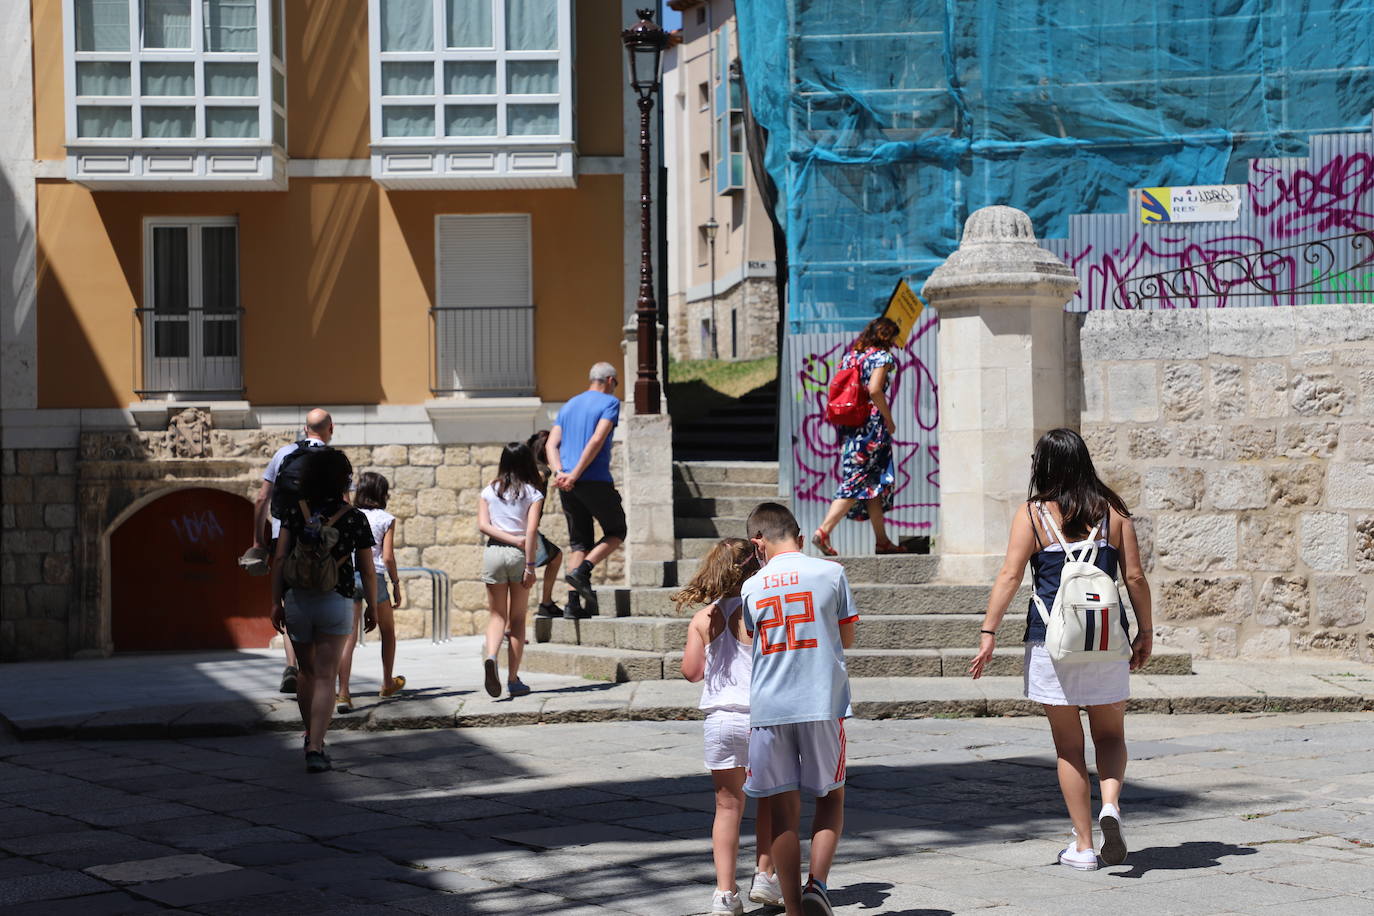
(484, 318)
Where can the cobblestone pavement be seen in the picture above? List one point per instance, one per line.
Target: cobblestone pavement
(1265, 813)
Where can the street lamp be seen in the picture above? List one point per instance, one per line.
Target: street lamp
(644, 42)
(710, 226)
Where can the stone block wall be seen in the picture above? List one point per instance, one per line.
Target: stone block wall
(37, 547)
(754, 301)
(1242, 439)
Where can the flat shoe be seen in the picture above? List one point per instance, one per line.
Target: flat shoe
(895, 548)
(395, 687)
(1113, 843)
(493, 677)
(344, 703)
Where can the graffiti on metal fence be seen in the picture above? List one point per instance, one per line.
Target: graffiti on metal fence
(913, 395)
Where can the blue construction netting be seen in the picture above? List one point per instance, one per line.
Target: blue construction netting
(890, 120)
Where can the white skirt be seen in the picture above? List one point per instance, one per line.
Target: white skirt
(1085, 684)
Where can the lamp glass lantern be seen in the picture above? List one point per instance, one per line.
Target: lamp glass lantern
(711, 226)
(645, 41)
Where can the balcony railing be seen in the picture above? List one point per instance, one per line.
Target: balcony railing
(192, 353)
(482, 350)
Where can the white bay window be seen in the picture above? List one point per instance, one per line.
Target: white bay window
(175, 93)
(471, 93)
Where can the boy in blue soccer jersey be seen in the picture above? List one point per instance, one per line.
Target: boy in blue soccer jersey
(801, 615)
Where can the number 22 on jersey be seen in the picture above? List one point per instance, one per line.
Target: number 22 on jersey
(772, 618)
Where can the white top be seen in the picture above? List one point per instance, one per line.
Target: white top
(274, 467)
(380, 520)
(510, 514)
(729, 663)
(794, 607)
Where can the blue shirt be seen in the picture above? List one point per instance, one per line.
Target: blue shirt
(578, 420)
(794, 607)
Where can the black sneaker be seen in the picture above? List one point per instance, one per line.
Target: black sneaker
(288, 679)
(317, 762)
(517, 688)
(814, 900)
(582, 582)
(548, 609)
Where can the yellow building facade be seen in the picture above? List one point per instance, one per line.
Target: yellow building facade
(417, 213)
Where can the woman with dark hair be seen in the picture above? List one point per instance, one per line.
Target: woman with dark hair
(311, 602)
(866, 475)
(508, 513)
(1067, 501)
(370, 499)
(549, 556)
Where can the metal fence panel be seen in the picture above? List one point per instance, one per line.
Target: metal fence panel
(484, 349)
(810, 447)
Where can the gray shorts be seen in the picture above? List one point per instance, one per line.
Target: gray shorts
(309, 614)
(382, 594)
(503, 564)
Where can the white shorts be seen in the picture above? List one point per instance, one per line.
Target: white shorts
(1081, 684)
(802, 755)
(727, 739)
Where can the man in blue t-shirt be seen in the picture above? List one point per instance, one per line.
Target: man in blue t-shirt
(579, 454)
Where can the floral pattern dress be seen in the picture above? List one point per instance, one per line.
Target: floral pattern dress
(866, 470)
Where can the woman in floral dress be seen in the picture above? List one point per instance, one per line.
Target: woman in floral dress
(866, 474)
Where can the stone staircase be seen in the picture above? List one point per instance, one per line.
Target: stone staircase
(910, 626)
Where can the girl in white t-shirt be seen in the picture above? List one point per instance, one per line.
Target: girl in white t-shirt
(508, 514)
(720, 652)
(370, 497)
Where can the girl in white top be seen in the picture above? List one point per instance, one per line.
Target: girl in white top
(720, 652)
(371, 498)
(508, 514)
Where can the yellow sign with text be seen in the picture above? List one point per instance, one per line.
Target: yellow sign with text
(904, 308)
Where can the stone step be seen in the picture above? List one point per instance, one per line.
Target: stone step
(726, 471)
(725, 506)
(666, 634)
(872, 600)
(614, 664)
(596, 663)
(691, 526)
(909, 569)
(689, 489)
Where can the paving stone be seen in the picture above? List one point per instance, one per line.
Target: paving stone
(48, 886)
(159, 869)
(181, 892)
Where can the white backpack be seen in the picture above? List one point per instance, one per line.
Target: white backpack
(1085, 623)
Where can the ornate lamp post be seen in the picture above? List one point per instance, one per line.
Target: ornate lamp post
(710, 227)
(644, 42)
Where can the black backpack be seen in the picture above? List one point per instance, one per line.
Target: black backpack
(286, 489)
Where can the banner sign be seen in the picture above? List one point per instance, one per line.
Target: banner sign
(1191, 204)
(904, 307)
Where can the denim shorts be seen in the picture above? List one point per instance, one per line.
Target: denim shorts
(310, 614)
(382, 593)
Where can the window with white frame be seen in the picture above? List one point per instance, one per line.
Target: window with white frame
(189, 320)
(175, 73)
(471, 74)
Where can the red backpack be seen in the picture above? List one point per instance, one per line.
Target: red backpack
(848, 403)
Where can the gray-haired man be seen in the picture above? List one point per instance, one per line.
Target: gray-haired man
(579, 454)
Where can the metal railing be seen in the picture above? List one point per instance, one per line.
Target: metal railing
(480, 349)
(1335, 269)
(440, 595)
(194, 352)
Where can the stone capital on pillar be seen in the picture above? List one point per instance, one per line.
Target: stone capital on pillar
(1002, 379)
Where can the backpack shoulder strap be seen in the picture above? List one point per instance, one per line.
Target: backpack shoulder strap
(337, 515)
(1087, 555)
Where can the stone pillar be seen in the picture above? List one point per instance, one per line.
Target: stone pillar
(648, 494)
(1002, 379)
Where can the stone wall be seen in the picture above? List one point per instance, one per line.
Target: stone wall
(59, 504)
(755, 304)
(37, 552)
(1242, 438)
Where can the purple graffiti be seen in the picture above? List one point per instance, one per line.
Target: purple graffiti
(195, 527)
(1327, 200)
(816, 448)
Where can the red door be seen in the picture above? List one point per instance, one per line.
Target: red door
(175, 583)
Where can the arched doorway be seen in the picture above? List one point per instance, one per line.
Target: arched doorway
(174, 582)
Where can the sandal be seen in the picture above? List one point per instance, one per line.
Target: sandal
(343, 703)
(397, 683)
(822, 542)
(894, 548)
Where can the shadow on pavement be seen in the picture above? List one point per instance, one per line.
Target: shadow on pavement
(872, 895)
(1183, 857)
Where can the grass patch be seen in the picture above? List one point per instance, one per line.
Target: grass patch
(732, 379)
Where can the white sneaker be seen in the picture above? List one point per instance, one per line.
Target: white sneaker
(1113, 841)
(1081, 859)
(726, 903)
(766, 889)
